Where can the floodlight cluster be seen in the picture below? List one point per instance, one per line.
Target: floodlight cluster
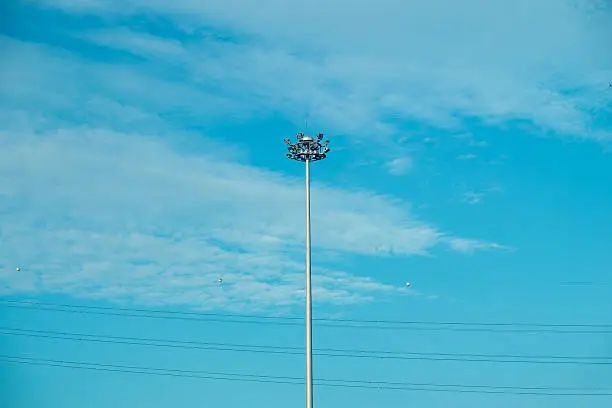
(307, 148)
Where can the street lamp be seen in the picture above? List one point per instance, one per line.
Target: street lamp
(308, 149)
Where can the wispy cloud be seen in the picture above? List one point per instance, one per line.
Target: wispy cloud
(469, 246)
(399, 166)
(472, 197)
(469, 156)
(476, 196)
(94, 213)
(436, 62)
(471, 141)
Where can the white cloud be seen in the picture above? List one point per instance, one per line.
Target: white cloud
(469, 246)
(356, 63)
(100, 214)
(139, 43)
(472, 197)
(400, 165)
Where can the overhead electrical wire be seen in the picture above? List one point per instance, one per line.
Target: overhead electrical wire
(325, 352)
(296, 321)
(328, 352)
(343, 383)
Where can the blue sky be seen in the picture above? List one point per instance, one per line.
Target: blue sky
(141, 159)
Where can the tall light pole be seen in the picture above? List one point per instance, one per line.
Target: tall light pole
(308, 149)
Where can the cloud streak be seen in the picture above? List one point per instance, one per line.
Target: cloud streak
(355, 65)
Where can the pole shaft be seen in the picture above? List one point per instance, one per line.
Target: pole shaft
(309, 399)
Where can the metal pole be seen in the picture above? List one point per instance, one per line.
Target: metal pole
(308, 149)
(309, 403)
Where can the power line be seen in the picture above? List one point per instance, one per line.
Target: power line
(301, 318)
(291, 321)
(325, 352)
(364, 384)
(169, 312)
